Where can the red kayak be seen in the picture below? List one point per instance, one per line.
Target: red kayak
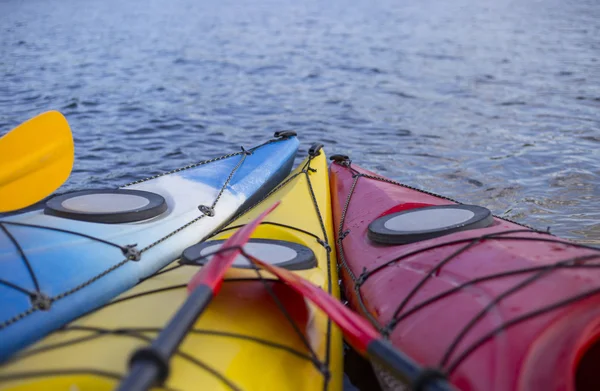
(493, 304)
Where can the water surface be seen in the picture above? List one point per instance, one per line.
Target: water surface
(491, 102)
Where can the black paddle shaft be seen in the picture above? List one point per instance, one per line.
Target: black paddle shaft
(149, 366)
(405, 369)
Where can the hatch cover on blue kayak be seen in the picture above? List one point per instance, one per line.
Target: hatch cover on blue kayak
(428, 222)
(289, 255)
(107, 206)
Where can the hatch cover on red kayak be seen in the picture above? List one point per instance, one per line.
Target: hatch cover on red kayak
(428, 222)
(107, 206)
(289, 255)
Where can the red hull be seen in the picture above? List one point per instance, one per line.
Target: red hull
(536, 326)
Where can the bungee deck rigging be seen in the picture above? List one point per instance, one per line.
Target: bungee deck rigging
(48, 260)
(425, 281)
(478, 300)
(269, 329)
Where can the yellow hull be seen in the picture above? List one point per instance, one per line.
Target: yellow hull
(243, 341)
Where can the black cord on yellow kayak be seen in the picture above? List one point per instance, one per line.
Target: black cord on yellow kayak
(73, 333)
(139, 333)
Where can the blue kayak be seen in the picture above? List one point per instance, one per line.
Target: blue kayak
(81, 249)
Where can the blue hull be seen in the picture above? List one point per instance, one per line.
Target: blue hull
(72, 274)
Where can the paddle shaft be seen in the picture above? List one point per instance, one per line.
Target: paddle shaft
(405, 369)
(360, 333)
(150, 365)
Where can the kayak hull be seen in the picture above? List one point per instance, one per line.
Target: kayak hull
(78, 265)
(242, 341)
(498, 308)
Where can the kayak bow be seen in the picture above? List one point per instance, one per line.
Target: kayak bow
(494, 304)
(254, 335)
(81, 249)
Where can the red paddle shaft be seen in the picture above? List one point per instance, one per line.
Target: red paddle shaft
(150, 365)
(360, 334)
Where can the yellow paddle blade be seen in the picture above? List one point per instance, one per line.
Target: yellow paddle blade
(36, 158)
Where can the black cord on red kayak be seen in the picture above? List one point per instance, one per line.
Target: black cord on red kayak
(360, 334)
(451, 359)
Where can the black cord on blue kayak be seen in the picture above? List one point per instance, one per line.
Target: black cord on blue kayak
(40, 301)
(73, 333)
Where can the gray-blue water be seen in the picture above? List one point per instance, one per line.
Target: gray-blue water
(491, 102)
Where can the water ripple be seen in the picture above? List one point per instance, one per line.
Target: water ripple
(495, 103)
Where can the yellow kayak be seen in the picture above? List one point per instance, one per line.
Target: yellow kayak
(243, 340)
